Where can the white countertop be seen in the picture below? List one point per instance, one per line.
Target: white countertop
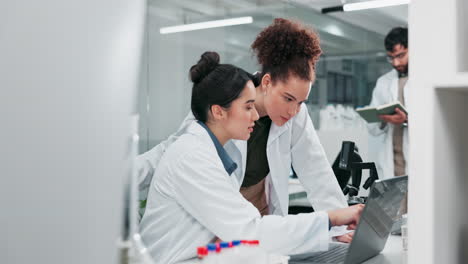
(391, 254)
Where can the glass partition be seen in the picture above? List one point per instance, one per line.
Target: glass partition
(353, 58)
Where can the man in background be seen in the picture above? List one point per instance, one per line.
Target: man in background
(391, 135)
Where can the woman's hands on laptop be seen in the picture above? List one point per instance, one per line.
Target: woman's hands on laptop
(346, 216)
(346, 238)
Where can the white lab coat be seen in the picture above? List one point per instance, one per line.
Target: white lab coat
(192, 200)
(295, 143)
(381, 145)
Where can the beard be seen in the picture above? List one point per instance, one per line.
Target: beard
(402, 69)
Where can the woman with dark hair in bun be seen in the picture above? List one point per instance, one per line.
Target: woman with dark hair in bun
(194, 198)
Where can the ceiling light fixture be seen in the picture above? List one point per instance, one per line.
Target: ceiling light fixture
(207, 24)
(364, 5)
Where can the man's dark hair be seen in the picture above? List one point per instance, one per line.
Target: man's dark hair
(398, 35)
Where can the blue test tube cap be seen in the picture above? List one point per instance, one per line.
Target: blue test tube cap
(224, 244)
(211, 247)
(236, 242)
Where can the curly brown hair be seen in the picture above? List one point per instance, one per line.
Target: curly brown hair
(287, 47)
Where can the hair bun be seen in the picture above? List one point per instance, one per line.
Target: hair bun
(256, 78)
(207, 63)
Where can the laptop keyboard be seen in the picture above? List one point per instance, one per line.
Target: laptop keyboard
(335, 254)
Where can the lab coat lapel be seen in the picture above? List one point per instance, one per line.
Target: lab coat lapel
(394, 86)
(238, 152)
(276, 131)
(277, 170)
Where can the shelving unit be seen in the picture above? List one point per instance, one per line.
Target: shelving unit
(438, 160)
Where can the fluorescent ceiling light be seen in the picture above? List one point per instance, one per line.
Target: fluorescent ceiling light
(373, 4)
(208, 24)
(364, 5)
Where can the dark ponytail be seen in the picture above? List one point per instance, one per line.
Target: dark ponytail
(214, 84)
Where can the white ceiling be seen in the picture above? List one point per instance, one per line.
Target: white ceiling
(379, 20)
(341, 32)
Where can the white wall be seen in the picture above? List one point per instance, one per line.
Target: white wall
(68, 77)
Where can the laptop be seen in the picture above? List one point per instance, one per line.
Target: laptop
(379, 215)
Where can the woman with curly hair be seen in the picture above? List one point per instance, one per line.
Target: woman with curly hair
(287, 52)
(284, 136)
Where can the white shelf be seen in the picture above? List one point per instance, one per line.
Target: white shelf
(458, 82)
(450, 168)
(438, 160)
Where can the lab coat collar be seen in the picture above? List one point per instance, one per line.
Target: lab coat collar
(229, 165)
(237, 149)
(276, 131)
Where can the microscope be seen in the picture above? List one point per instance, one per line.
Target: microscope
(348, 165)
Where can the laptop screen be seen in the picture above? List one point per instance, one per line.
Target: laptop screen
(377, 219)
(381, 211)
